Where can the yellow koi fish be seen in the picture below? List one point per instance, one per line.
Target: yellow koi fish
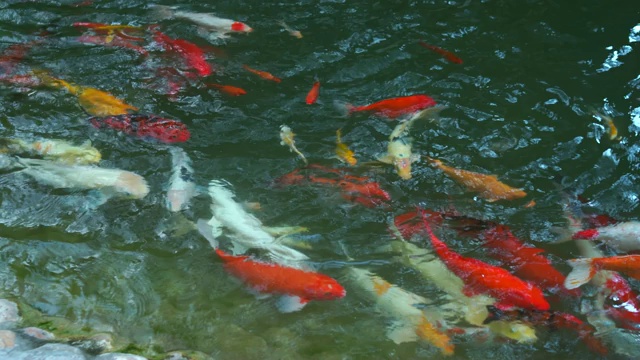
(53, 149)
(93, 101)
(488, 186)
(343, 152)
(286, 135)
(611, 127)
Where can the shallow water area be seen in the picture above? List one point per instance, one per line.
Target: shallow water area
(519, 106)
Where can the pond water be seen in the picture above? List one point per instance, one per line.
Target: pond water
(519, 106)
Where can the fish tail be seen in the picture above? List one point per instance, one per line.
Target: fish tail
(161, 12)
(583, 270)
(344, 108)
(206, 230)
(133, 184)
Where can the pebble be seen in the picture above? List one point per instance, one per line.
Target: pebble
(38, 333)
(46, 352)
(7, 339)
(8, 312)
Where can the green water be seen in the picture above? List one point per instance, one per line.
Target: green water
(518, 108)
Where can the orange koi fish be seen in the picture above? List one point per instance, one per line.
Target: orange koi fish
(488, 186)
(553, 320)
(482, 278)
(612, 129)
(312, 96)
(263, 74)
(444, 53)
(343, 152)
(584, 269)
(93, 101)
(394, 107)
(228, 89)
(297, 286)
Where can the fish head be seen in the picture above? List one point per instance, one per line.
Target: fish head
(241, 27)
(326, 288)
(399, 149)
(403, 167)
(621, 303)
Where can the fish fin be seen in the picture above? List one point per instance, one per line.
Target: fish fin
(401, 332)
(581, 273)
(284, 230)
(238, 248)
(206, 229)
(290, 303)
(343, 107)
(387, 159)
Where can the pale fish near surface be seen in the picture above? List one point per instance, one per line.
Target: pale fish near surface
(182, 186)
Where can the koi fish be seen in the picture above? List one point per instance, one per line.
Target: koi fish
(292, 32)
(488, 186)
(244, 229)
(263, 74)
(410, 322)
(192, 55)
(297, 286)
(473, 309)
(444, 53)
(116, 42)
(53, 149)
(62, 176)
(286, 135)
(218, 26)
(584, 269)
(13, 54)
(312, 96)
(343, 152)
(93, 101)
(228, 89)
(399, 147)
(612, 129)
(527, 262)
(482, 278)
(394, 107)
(169, 81)
(619, 300)
(182, 186)
(112, 30)
(623, 236)
(553, 320)
(145, 126)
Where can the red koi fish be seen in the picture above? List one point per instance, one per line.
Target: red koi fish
(482, 278)
(526, 261)
(117, 42)
(552, 320)
(584, 269)
(228, 89)
(145, 126)
(444, 53)
(395, 107)
(169, 81)
(312, 96)
(410, 224)
(13, 54)
(298, 286)
(192, 55)
(263, 74)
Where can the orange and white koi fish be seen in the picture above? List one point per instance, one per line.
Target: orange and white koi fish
(444, 53)
(53, 149)
(297, 286)
(343, 152)
(286, 135)
(228, 89)
(219, 27)
(93, 101)
(488, 186)
(410, 322)
(612, 129)
(312, 96)
(584, 269)
(263, 74)
(292, 32)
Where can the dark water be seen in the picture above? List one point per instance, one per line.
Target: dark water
(519, 107)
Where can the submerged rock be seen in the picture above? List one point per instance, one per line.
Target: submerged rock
(38, 334)
(8, 312)
(119, 356)
(48, 352)
(7, 339)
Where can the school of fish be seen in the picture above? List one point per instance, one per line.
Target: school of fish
(512, 298)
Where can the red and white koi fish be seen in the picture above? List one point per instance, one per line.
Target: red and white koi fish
(394, 107)
(480, 277)
(297, 286)
(219, 27)
(444, 53)
(145, 126)
(622, 236)
(192, 54)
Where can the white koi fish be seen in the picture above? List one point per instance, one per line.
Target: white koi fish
(181, 184)
(53, 149)
(244, 229)
(219, 27)
(286, 135)
(399, 148)
(109, 181)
